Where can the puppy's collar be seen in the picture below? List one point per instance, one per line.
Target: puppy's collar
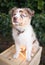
(19, 31)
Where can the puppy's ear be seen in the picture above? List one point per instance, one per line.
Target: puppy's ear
(12, 11)
(30, 12)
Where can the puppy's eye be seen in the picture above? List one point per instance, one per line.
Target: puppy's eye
(14, 14)
(23, 15)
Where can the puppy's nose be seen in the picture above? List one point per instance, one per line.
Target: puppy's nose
(14, 18)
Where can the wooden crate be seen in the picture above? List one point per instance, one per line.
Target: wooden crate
(6, 57)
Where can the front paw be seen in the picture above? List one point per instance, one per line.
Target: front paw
(28, 58)
(15, 55)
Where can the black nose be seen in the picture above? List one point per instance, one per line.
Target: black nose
(14, 18)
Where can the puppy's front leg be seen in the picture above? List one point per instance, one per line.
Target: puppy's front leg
(17, 51)
(28, 52)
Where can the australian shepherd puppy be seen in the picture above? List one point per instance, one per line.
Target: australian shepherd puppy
(22, 31)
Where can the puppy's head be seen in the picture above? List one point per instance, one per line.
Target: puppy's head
(21, 16)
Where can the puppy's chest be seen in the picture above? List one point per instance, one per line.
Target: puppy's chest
(22, 37)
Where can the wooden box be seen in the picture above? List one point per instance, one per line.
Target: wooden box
(6, 57)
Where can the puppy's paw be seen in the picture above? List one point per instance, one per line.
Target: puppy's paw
(28, 59)
(15, 56)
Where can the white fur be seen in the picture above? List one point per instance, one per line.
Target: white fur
(25, 39)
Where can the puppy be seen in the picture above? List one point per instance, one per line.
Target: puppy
(22, 31)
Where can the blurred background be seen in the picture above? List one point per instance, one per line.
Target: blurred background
(38, 22)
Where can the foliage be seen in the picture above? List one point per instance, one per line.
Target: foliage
(38, 24)
(5, 26)
(38, 21)
(37, 5)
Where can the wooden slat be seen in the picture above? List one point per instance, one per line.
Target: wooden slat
(10, 60)
(9, 49)
(35, 60)
(6, 57)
